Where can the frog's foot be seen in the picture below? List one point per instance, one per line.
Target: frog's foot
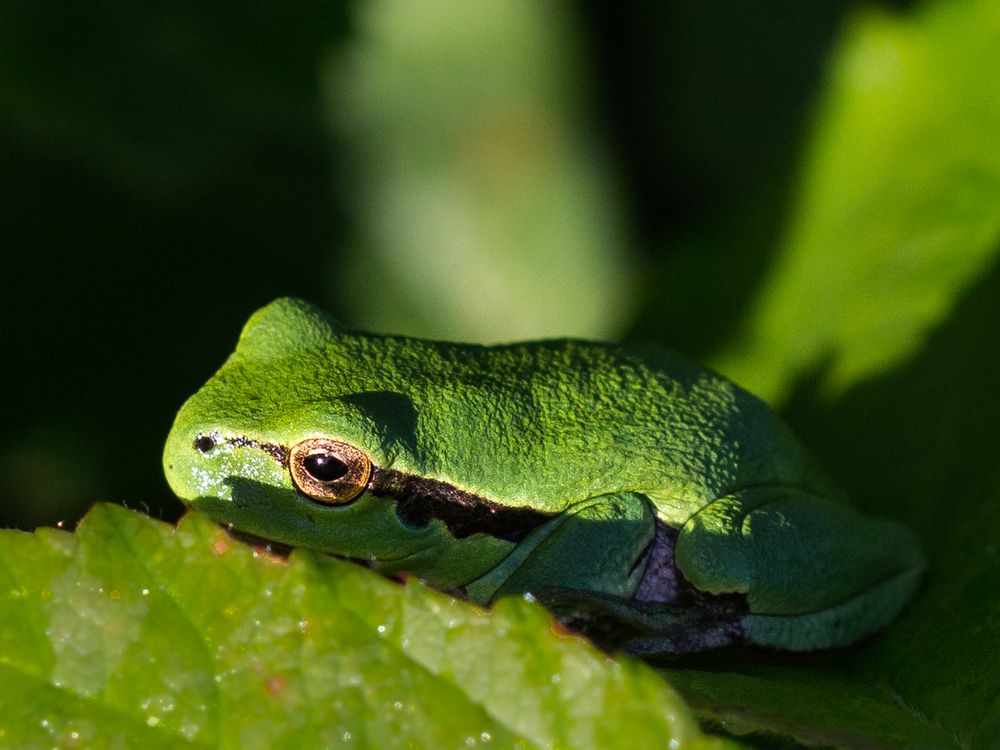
(642, 628)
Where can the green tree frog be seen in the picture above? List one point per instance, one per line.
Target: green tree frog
(651, 503)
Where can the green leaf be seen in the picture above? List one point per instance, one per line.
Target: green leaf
(896, 212)
(877, 328)
(131, 633)
(918, 444)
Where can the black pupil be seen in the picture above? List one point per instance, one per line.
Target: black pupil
(324, 467)
(204, 443)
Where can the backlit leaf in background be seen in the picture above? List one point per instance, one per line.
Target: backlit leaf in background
(133, 634)
(919, 444)
(890, 278)
(898, 206)
(486, 208)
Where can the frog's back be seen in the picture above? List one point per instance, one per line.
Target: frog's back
(551, 422)
(540, 424)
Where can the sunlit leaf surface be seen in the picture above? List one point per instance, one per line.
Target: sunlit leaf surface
(133, 634)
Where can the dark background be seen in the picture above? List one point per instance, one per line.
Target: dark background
(166, 170)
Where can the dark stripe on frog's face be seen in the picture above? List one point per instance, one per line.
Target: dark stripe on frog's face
(278, 452)
(418, 500)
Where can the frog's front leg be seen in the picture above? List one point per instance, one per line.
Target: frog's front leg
(597, 545)
(815, 573)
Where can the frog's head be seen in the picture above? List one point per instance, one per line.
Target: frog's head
(306, 436)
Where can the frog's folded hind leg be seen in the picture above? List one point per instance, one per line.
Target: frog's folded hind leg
(815, 573)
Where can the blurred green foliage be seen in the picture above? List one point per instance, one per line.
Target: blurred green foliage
(818, 220)
(895, 211)
(529, 170)
(485, 205)
(875, 327)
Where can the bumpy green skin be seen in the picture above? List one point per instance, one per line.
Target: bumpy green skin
(604, 438)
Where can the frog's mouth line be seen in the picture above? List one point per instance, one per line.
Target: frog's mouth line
(419, 500)
(282, 550)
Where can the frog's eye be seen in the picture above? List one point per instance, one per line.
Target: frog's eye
(329, 471)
